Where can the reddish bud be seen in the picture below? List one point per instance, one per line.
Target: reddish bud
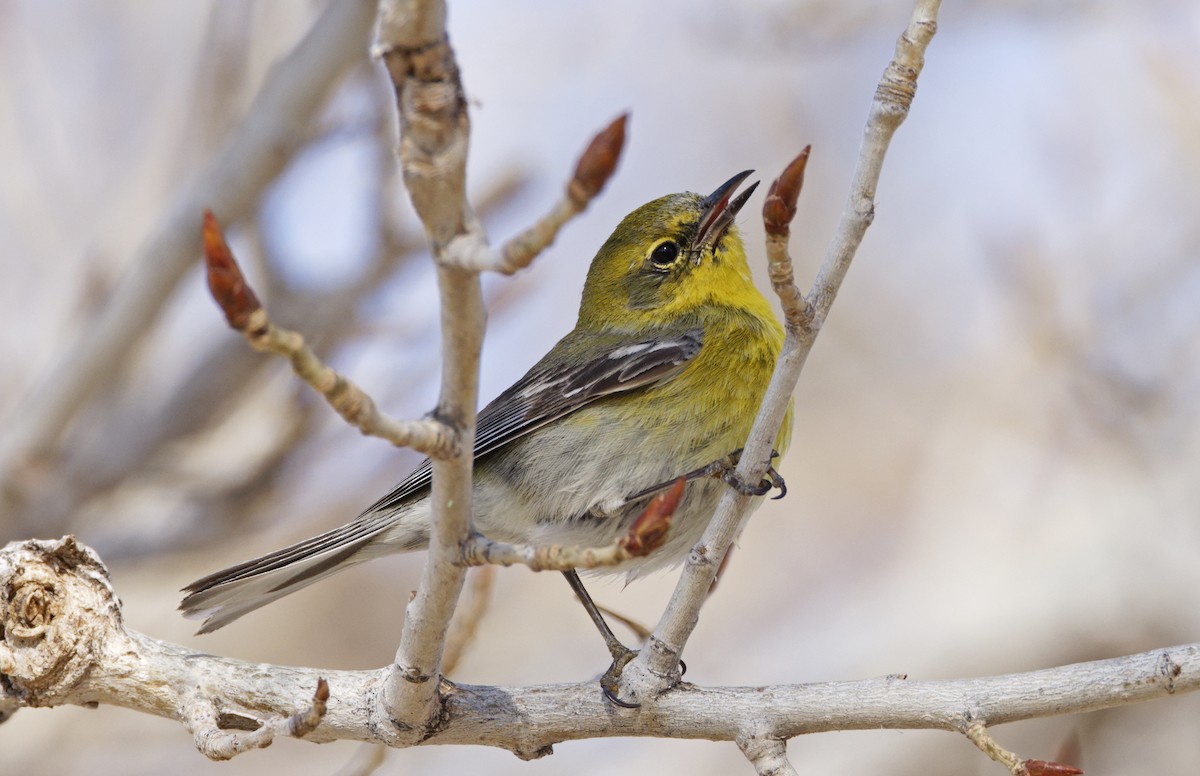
(779, 208)
(1043, 768)
(650, 529)
(599, 161)
(225, 279)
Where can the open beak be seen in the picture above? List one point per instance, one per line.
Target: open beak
(718, 210)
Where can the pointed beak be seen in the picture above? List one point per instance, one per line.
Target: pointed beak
(719, 209)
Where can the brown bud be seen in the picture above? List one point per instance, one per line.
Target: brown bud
(650, 529)
(225, 279)
(1043, 768)
(599, 161)
(779, 208)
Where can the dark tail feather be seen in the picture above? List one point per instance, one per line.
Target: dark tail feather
(226, 595)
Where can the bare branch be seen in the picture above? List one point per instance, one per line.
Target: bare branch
(893, 98)
(646, 535)
(656, 666)
(216, 743)
(62, 641)
(259, 149)
(245, 313)
(595, 167)
(978, 734)
(434, 132)
(366, 760)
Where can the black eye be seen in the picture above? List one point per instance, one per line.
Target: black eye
(664, 254)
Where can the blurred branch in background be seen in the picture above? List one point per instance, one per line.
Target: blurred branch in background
(232, 185)
(144, 441)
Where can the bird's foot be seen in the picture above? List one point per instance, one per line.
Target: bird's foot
(610, 681)
(726, 469)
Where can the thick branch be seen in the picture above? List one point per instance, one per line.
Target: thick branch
(434, 134)
(434, 130)
(62, 641)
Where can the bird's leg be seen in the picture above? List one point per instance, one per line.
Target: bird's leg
(621, 654)
(726, 469)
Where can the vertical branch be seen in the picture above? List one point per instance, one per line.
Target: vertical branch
(434, 135)
(656, 667)
(434, 132)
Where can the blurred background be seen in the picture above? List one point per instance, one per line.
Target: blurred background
(996, 463)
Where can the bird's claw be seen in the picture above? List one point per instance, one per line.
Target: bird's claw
(610, 681)
(726, 469)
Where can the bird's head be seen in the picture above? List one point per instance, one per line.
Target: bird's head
(669, 258)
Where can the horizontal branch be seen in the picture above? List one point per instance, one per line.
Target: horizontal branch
(246, 315)
(63, 642)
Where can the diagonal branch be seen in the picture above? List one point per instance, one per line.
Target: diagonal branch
(595, 167)
(246, 315)
(978, 734)
(656, 668)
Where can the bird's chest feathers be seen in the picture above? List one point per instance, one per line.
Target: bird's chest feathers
(593, 459)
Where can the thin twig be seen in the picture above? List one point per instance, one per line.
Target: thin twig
(596, 165)
(246, 314)
(647, 534)
(366, 760)
(222, 739)
(978, 734)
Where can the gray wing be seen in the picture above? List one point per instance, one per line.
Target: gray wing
(547, 393)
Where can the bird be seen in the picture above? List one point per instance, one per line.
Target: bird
(660, 378)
